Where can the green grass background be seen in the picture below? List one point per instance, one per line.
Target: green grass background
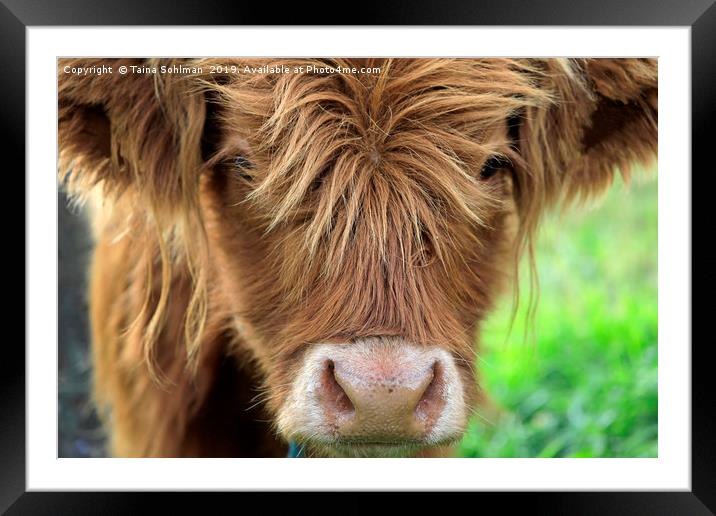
(586, 384)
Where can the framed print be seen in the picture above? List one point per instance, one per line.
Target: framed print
(463, 240)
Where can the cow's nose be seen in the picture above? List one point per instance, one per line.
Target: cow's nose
(378, 400)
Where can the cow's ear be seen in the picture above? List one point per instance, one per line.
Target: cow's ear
(601, 119)
(622, 129)
(139, 131)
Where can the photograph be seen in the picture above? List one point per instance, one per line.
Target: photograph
(364, 257)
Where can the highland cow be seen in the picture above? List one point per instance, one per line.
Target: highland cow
(286, 256)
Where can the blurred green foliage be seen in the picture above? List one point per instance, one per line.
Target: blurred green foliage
(585, 385)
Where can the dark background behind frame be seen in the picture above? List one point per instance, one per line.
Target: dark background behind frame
(16, 15)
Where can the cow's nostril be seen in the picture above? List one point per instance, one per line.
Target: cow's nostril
(432, 402)
(334, 398)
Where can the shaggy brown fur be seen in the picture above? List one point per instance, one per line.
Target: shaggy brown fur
(357, 208)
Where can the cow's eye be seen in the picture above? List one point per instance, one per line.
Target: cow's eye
(493, 165)
(242, 165)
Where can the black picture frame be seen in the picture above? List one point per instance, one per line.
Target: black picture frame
(700, 15)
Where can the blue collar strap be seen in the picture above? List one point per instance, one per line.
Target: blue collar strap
(295, 451)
